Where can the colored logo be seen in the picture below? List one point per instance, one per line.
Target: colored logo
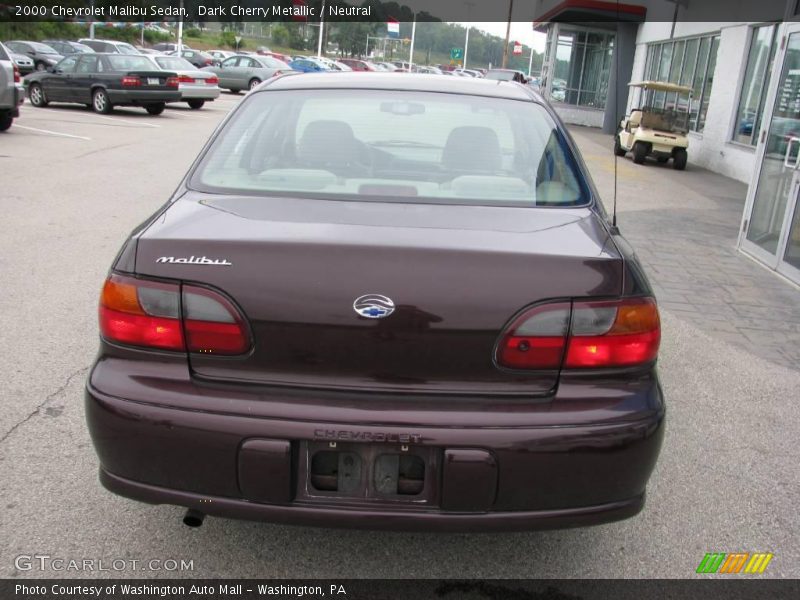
(373, 306)
(735, 562)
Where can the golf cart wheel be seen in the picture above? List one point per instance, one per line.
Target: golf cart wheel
(639, 152)
(36, 95)
(662, 159)
(618, 149)
(679, 158)
(155, 109)
(195, 104)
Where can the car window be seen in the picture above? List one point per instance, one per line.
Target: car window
(3, 54)
(249, 63)
(174, 63)
(43, 48)
(230, 62)
(125, 62)
(87, 64)
(375, 144)
(67, 65)
(16, 47)
(124, 48)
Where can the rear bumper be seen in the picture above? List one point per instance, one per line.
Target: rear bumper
(390, 520)
(141, 97)
(526, 477)
(199, 93)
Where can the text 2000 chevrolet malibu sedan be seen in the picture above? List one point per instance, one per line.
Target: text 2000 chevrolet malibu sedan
(381, 302)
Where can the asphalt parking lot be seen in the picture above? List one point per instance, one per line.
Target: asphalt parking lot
(73, 184)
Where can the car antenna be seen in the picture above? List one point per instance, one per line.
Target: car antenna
(614, 228)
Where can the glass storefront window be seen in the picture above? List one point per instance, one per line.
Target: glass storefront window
(686, 62)
(582, 68)
(754, 86)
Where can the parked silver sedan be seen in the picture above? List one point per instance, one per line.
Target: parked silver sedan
(242, 72)
(195, 85)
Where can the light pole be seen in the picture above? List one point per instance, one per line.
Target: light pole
(508, 33)
(321, 26)
(469, 6)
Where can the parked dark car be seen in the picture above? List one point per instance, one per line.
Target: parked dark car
(102, 81)
(381, 303)
(66, 47)
(43, 56)
(10, 90)
(109, 46)
(197, 58)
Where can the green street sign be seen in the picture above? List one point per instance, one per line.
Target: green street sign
(456, 53)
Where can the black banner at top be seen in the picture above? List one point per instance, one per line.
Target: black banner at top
(534, 11)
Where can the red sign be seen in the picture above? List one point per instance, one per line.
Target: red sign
(517, 48)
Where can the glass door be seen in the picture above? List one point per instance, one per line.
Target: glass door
(772, 198)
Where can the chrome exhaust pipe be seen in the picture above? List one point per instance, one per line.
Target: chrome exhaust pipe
(193, 518)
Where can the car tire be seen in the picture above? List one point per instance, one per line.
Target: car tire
(255, 81)
(679, 158)
(6, 121)
(618, 149)
(195, 104)
(36, 96)
(639, 152)
(155, 109)
(100, 102)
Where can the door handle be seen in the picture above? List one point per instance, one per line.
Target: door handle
(788, 156)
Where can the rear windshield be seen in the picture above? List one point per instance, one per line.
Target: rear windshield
(3, 55)
(124, 62)
(382, 145)
(175, 63)
(500, 75)
(126, 48)
(43, 48)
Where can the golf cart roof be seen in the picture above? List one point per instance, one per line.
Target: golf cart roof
(662, 86)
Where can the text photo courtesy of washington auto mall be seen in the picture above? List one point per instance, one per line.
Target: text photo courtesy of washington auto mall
(429, 299)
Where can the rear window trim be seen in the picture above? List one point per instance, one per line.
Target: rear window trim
(192, 183)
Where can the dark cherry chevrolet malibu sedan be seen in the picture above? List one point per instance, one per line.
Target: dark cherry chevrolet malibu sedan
(381, 302)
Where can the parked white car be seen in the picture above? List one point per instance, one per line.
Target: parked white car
(196, 86)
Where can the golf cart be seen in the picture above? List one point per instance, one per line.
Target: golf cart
(658, 132)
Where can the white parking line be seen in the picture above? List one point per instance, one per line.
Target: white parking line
(120, 120)
(48, 132)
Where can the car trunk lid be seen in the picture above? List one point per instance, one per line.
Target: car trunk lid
(456, 275)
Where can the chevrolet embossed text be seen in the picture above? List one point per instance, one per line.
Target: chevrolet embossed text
(367, 436)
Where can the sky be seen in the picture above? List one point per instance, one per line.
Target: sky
(520, 32)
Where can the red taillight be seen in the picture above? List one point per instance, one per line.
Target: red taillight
(185, 79)
(582, 335)
(209, 61)
(154, 314)
(131, 81)
(172, 82)
(613, 334)
(17, 77)
(212, 80)
(213, 324)
(536, 339)
(141, 313)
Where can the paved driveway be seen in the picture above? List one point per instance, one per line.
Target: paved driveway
(74, 185)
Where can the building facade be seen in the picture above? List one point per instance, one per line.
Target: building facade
(744, 119)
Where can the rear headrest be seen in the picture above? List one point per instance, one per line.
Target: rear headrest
(327, 143)
(472, 149)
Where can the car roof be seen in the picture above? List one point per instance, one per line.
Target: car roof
(412, 82)
(662, 86)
